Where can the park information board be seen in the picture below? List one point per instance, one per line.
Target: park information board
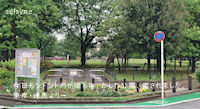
(27, 64)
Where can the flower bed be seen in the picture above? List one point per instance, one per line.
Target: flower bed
(56, 90)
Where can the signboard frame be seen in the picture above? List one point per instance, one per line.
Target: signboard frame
(37, 76)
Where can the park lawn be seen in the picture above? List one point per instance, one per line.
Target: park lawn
(100, 62)
(97, 63)
(141, 76)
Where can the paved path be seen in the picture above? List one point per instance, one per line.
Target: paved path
(188, 101)
(195, 104)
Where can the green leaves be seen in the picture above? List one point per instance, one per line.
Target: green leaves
(29, 24)
(192, 42)
(147, 17)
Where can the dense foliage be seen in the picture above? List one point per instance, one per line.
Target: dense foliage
(197, 74)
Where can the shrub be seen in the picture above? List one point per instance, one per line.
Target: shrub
(10, 64)
(110, 93)
(197, 74)
(46, 65)
(83, 94)
(7, 79)
(6, 75)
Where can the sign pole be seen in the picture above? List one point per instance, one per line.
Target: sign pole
(38, 78)
(159, 36)
(162, 70)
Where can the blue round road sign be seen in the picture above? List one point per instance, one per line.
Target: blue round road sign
(159, 36)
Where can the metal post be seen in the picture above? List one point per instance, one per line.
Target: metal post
(82, 88)
(153, 87)
(15, 87)
(162, 70)
(189, 82)
(38, 78)
(116, 88)
(174, 84)
(21, 88)
(45, 87)
(138, 86)
(16, 55)
(92, 80)
(61, 79)
(124, 82)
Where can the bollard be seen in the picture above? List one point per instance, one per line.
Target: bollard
(82, 88)
(138, 86)
(61, 79)
(45, 87)
(116, 88)
(124, 82)
(21, 89)
(133, 75)
(92, 80)
(153, 86)
(189, 82)
(174, 84)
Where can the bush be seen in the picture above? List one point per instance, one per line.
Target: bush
(83, 94)
(6, 77)
(110, 93)
(46, 65)
(197, 74)
(10, 65)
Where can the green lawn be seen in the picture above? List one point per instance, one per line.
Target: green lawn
(131, 62)
(99, 62)
(139, 76)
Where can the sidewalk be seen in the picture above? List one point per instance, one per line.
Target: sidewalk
(180, 91)
(171, 100)
(158, 102)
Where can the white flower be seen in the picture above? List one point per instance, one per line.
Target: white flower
(7, 90)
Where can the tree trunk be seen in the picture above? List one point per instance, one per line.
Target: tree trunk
(122, 64)
(180, 60)
(188, 69)
(83, 55)
(124, 57)
(165, 59)
(190, 62)
(118, 64)
(149, 65)
(13, 38)
(125, 61)
(175, 66)
(193, 64)
(158, 63)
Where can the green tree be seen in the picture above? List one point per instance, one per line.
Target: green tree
(26, 22)
(192, 40)
(147, 17)
(82, 20)
(192, 47)
(70, 45)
